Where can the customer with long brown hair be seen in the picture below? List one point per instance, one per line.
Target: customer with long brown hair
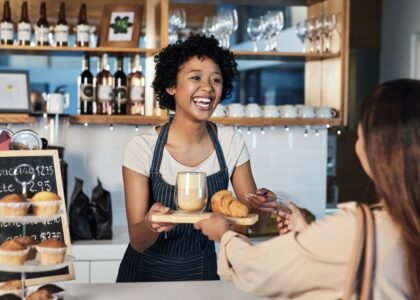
(311, 261)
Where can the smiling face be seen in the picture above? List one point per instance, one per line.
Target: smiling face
(198, 88)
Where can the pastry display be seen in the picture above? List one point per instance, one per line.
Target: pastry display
(45, 203)
(223, 202)
(13, 205)
(13, 253)
(40, 295)
(30, 243)
(51, 251)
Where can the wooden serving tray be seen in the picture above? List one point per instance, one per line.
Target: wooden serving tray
(182, 217)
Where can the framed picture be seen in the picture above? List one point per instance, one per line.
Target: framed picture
(120, 25)
(14, 91)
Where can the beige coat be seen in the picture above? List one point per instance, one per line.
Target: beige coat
(313, 264)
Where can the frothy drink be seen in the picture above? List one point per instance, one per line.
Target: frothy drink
(189, 200)
(191, 191)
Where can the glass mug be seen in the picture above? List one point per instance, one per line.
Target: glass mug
(191, 192)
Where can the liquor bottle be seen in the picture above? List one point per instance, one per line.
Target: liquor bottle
(6, 26)
(105, 104)
(62, 28)
(136, 88)
(120, 89)
(82, 35)
(43, 27)
(24, 26)
(86, 91)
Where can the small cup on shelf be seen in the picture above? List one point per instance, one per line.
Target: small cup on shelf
(325, 112)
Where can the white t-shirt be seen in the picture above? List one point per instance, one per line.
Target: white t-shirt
(139, 151)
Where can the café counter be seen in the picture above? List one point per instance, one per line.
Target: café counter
(185, 290)
(97, 261)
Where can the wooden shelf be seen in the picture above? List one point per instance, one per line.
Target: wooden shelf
(16, 119)
(76, 51)
(274, 121)
(259, 55)
(114, 119)
(156, 120)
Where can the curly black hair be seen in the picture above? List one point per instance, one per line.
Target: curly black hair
(172, 57)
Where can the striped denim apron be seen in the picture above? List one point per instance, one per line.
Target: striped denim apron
(184, 253)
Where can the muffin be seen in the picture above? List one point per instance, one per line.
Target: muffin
(13, 205)
(13, 253)
(11, 287)
(40, 295)
(30, 243)
(46, 203)
(51, 251)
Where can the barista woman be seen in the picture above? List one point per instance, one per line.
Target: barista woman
(192, 77)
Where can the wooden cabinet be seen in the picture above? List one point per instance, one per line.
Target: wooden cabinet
(326, 74)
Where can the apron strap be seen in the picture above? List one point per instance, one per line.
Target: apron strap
(160, 145)
(217, 146)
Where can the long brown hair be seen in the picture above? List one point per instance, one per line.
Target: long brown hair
(391, 128)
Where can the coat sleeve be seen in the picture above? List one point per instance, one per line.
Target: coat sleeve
(293, 264)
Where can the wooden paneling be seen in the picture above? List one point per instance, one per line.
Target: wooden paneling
(16, 119)
(313, 83)
(195, 13)
(331, 83)
(326, 81)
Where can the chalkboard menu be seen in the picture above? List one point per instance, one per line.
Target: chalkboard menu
(41, 168)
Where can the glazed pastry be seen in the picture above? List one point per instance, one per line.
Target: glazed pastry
(13, 253)
(51, 251)
(11, 285)
(40, 295)
(46, 203)
(13, 205)
(223, 202)
(11, 289)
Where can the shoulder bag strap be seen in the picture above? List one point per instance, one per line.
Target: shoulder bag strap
(363, 251)
(369, 254)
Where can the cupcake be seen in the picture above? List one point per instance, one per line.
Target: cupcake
(30, 243)
(40, 295)
(13, 253)
(13, 205)
(51, 251)
(11, 287)
(46, 203)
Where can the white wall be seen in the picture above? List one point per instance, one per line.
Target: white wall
(282, 161)
(286, 162)
(400, 21)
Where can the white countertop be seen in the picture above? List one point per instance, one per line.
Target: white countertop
(114, 249)
(185, 290)
(109, 249)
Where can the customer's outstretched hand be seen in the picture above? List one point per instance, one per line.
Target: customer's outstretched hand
(291, 221)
